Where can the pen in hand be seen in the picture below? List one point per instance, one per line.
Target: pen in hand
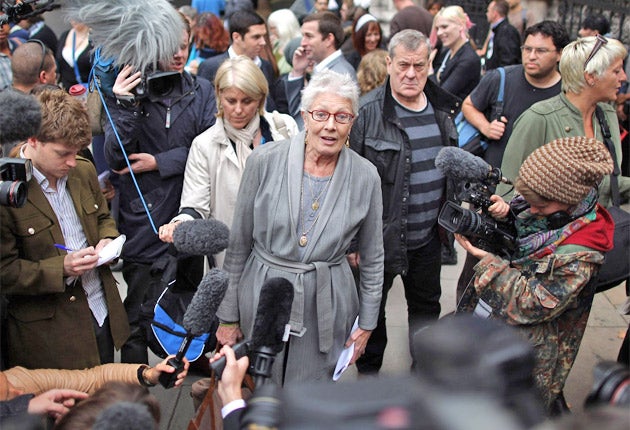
(63, 247)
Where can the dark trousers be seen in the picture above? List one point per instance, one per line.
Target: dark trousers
(422, 292)
(141, 284)
(104, 341)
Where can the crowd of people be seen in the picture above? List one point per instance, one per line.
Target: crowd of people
(313, 134)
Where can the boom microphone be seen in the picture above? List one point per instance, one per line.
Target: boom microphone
(268, 334)
(201, 237)
(20, 117)
(198, 318)
(141, 33)
(463, 166)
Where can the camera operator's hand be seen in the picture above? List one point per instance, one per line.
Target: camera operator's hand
(152, 374)
(500, 208)
(55, 403)
(469, 247)
(360, 338)
(166, 231)
(125, 82)
(232, 378)
(76, 263)
(140, 162)
(229, 334)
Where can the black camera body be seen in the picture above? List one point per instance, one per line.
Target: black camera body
(15, 173)
(485, 232)
(16, 12)
(157, 85)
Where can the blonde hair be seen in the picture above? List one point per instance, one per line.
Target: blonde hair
(287, 25)
(64, 120)
(457, 15)
(243, 74)
(372, 70)
(574, 56)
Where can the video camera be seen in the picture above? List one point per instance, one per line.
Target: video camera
(15, 173)
(486, 232)
(13, 13)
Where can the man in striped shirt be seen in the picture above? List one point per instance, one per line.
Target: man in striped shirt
(64, 310)
(400, 128)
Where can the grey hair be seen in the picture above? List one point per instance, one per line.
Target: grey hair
(575, 54)
(331, 82)
(410, 40)
(142, 33)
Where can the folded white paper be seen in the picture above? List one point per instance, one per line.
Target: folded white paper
(346, 355)
(112, 250)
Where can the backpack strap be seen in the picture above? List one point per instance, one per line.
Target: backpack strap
(499, 104)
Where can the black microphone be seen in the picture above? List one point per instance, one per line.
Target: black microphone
(201, 237)
(125, 415)
(198, 318)
(20, 116)
(464, 166)
(268, 334)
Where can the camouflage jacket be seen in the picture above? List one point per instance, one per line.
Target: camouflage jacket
(548, 299)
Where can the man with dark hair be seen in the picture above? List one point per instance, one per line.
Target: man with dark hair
(594, 25)
(525, 84)
(247, 31)
(322, 36)
(400, 128)
(33, 63)
(412, 16)
(504, 40)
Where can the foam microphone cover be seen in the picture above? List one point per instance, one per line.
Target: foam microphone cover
(20, 116)
(205, 302)
(272, 315)
(141, 33)
(201, 237)
(459, 164)
(125, 415)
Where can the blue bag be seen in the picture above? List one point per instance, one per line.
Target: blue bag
(470, 139)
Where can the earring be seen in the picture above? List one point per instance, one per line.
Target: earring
(348, 142)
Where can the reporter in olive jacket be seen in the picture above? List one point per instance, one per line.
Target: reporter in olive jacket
(63, 311)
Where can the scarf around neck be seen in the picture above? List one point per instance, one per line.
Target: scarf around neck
(243, 136)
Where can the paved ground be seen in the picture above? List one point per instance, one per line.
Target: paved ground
(602, 339)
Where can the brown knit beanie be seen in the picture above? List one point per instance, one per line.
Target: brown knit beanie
(565, 169)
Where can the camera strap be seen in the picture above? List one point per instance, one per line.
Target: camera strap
(97, 85)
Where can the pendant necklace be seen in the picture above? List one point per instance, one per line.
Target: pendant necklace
(303, 241)
(315, 199)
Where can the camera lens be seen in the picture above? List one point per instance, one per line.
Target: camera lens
(13, 193)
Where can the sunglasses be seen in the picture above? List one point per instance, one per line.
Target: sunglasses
(44, 52)
(601, 41)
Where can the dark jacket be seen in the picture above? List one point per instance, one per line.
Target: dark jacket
(378, 136)
(507, 46)
(146, 129)
(462, 71)
(49, 322)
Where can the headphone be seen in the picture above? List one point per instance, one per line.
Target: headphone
(559, 219)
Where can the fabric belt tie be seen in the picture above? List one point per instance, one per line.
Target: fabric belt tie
(323, 293)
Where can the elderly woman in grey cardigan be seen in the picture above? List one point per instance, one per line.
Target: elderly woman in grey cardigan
(300, 205)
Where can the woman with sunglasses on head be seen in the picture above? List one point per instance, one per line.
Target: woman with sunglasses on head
(592, 73)
(302, 205)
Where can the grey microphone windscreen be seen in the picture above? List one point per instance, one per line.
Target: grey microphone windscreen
(205, 302)
(201, 237)
(141, 33)
(459, 164)
(20, 116)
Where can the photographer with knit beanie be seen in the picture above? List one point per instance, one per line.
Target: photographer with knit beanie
(562, 236)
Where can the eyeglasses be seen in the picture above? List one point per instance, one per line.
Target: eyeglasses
(340, 117)
(601, 41)
(538, 51)
(44, 52)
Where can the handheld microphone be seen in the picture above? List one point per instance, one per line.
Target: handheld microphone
(272, 317)
(198, 318)
(201, 237)
(125, 415)
(20, 116)
(463, 166)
